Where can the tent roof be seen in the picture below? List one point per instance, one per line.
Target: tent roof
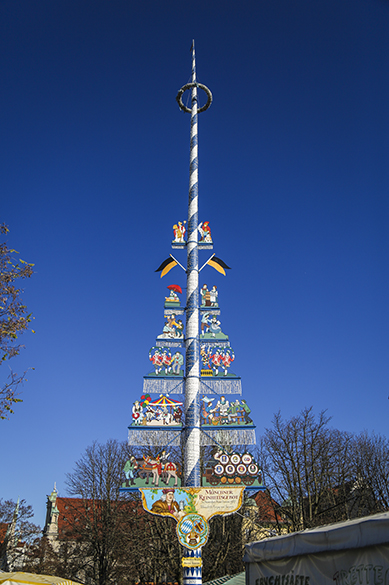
(165, 401)
(238, 579)
(367, 531)
(32, 579)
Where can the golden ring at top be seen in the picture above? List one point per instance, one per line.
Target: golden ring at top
(189, 86)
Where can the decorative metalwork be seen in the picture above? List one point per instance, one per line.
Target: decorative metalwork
(151, 437)
(158, 385)
(228, 436)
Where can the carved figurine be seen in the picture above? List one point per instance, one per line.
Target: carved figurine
(179, 232)
(173, 299)
(205, 232)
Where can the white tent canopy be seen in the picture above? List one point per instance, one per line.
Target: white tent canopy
(356, 551)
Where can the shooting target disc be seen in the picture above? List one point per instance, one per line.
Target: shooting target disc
(247, 458)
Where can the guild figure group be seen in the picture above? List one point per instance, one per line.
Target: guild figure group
(210, 326)
(172, 329)
(209, 298)
(225, 412)
(159, 468)
(179, 231)
(172, 298)
(217, 358)
(164, 362)
(156, 414)
(205, 232)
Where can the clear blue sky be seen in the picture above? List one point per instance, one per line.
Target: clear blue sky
(293, 178)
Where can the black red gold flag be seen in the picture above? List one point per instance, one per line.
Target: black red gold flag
(166, 265)
(218, 265)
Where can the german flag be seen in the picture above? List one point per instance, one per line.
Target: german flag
(166, 265)
(218, 265)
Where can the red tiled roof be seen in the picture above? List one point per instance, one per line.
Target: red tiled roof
(72, 511)
(266, 507)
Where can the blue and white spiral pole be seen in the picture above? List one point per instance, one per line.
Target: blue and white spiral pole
(192, 478)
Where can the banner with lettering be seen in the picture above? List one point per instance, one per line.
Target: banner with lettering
(361, 566)
(192, 507)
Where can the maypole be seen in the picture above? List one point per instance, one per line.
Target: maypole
(192, 363)
(192, 343)
(212, 414)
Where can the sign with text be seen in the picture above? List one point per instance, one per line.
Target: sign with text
(192, 507)
(191, 562)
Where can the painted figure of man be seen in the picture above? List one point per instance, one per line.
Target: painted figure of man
(226, 360)
(180, 328)
(233, 411)
(129, 469)
(179, 232)
(205, 296)
(177, 362)
(215, 361)
(213, 296)
(177, 414)
(182, 229)
(207, 410)
(166, 361)
(205, 232)
(156, 360)
(247, 410)
(169, 329)
(222, 406)
(167, 504)
(205, 320)
(205, 356)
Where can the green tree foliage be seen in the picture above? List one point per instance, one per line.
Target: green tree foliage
(14, 320)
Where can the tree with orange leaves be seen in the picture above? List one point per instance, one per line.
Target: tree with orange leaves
(14, 320)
